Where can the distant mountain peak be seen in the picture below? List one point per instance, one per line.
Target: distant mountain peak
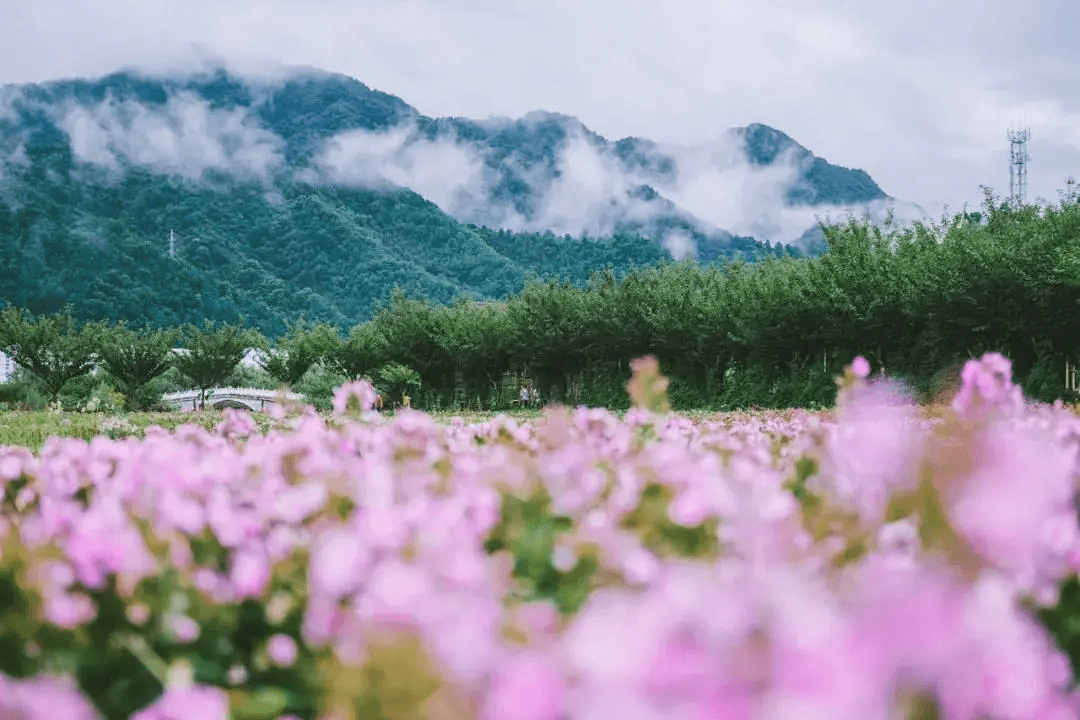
(764, 145)
(542, 171)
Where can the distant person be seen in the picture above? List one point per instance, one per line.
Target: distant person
(523, 396)
(406, 401)
(378, 402)
(534, 397)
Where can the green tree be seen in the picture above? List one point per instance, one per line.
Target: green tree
(359, 354)
(398, 380)
(211, 354)
(135, 358)
(296, 351)
(54, 348)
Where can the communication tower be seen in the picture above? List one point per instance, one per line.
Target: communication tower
(1018, 158)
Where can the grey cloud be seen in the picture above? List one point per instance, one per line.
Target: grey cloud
(679, 244)
(443, 171)
(8, 95)
(591, 191)
(916, 93)
(588, 195)
(184, 137)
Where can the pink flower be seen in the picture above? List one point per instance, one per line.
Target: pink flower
(198, 701)
(873, 453)
(361, 393)
(860, 367)
(987, 386)
(250, 573)
(237, 424)
(42, 698)
(69, 610)
(282, 650)
(185, 629)
(337, 564)
(527, 687)
(683, 668)
(104, 541)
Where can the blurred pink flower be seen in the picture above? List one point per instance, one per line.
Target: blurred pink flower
(69, 610)
(237, 424)
(198, 701)
(104, 541)
(872, 452)
(338, 561)
(43, 698)
(528, 686)
(359, 392)
(250, 573)
(282, 650)
(987, 387)
(860, 367)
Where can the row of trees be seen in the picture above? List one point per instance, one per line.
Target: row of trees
(57, 349)
(915, 302)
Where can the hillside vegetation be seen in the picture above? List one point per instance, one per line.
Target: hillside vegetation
(916, 303)
(331, 254)
(292, 197)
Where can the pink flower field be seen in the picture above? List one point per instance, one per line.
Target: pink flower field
(869, 564)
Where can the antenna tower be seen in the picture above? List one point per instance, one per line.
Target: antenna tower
(172, 244)
(1018, 158)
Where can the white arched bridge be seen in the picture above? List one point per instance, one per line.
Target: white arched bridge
(220, 398)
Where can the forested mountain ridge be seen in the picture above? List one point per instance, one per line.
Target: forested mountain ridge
(328, 253)
(313, 193)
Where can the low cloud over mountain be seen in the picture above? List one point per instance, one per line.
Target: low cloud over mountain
(542, 172)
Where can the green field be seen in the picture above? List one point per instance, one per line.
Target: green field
(30, 429)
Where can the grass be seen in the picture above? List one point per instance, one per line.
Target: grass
(30, 429)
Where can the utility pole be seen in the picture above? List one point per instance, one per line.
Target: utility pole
(1018, 159)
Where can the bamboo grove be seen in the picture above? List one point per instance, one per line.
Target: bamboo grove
(916, 302)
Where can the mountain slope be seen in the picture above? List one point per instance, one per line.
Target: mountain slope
(331, 254)
(541, 172)
(313, 193)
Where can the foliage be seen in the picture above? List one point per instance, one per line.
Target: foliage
(55, 348)
(135, 358)
(298, 350)
(318, 386)
(210, 354)
(22, 390)
(916, 302)
(359, 354)
(398, 380)
(280, 246)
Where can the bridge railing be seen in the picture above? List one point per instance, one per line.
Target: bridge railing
(256, 393)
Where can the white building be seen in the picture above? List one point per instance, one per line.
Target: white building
(7, 367)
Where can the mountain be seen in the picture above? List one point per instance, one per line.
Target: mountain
(313, 193)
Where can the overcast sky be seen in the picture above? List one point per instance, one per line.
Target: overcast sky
(918, 93)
